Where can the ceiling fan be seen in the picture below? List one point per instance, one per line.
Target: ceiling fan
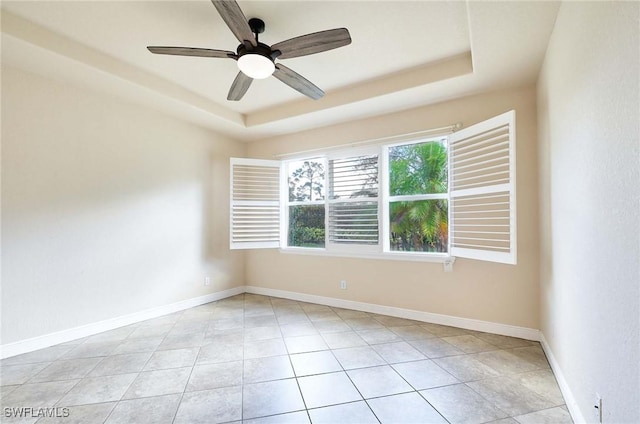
(256, 60)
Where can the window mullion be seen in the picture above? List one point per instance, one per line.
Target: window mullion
(384, 199)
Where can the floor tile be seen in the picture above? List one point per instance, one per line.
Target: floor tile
(227, 323)
(343, 340)
(466, 368)
(461, 405)
(505, 362)
(210, 406)
(350, 314)
(407, 408)
(38, 394)
(327, 389)
(398, 352)
(98, 389)
(138, 345)
(354, 412)
(151, 410)
(120, 364)
(332, 326)
(543, 383)
(298, 329)
(378, 381)
(181, 341)
(435, 348)
(503, 342)
(367, 323)
(303, 344)
(262, 333)
(260, 321)
(213, 376)
(176, 358)
(547, 416)
(424, 374)
(264, 348)
(190, 365)
(388, 321)
(469, 343)
(443, 330)
(148, 331)
(266, 369)
(19, 374)
(91, 350)
(95, 413)
(299, 417)
(215, 353)
(157, 383)
(513, 398)
(358, 357)
(67, 370)
(380, 335)
(291, 318)
(271, 398)
(315, 363)
(532, 354)
(48, 354)
(412, 332)
(322, 316)
(114, 335)
(5, 390)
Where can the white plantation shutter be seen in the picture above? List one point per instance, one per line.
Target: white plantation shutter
(482, 184)
(353, 201)
(255, 204)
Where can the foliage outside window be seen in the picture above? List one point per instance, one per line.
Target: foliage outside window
(306, 210)
(418, 207)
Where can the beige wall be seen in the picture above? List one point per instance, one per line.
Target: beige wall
(107, 208)
(589, 117)
(478, 290)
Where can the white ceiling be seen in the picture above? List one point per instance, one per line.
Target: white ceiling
(403, 55)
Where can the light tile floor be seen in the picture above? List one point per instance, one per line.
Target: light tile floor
(256, 359)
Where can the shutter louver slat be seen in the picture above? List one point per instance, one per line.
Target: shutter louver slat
(353, 201)
(255, 204)
(482, 190)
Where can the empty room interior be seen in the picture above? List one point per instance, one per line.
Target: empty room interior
(320, 212)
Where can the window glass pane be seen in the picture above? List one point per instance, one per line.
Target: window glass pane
(419, 168)
(418, 226)
(306, 180)
(354, 177)
(306, 226)
(353, 223)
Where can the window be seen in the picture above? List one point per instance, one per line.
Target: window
(417, 204)
(306, 203)
(422, 198)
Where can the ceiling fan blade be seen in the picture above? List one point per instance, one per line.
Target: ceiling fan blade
(235, 20)
(192, 51)
(297, 82)
(239, 87)
(313, 43)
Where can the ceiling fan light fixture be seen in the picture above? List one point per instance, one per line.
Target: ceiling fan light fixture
(256, 66)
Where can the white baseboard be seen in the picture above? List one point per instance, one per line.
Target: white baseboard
(569, 399)
(470, 324)
(35, 343)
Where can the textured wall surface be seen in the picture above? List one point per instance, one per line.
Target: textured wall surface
(107, 208)
(588, 102)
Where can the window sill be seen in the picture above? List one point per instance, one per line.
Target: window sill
(411, 257)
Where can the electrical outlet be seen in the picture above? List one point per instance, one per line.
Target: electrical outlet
(343, 284)
(207, 281)
(597, 408)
